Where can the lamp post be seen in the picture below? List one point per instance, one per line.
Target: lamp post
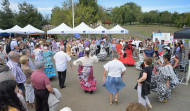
(73, 14)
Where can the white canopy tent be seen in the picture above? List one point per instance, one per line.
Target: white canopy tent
(29, 29)
(15, 29)
(118, 30)
(100, 30)
(61, 29)
(1, 30)
(83, 29)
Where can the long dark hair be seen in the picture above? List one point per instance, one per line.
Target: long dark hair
(8, 97)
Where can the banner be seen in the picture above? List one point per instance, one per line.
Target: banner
(163, 36)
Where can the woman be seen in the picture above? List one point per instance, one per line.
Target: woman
(54, 46)
(93, 48)
(149, 52)
(68, 48)
(8, 97)
(103, 54)
(112, 48)
(163, 79)
(49, 68)
(179, 51)
(85, 70)
(29, 91)
(143, 83)
(119, 49)
(38, 53)
(81, 49)
(129, 59)
(26, 52)
(113, 82)
(141, 57)
(3, 56)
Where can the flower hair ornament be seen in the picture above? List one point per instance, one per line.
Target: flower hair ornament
(87, 49)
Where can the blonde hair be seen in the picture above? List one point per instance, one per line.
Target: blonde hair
(23, 59)
(136, 107)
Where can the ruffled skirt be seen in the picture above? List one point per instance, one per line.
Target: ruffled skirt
(113, 84)
(86, 78)
(49, 70)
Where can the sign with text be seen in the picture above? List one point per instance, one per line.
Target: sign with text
(163, 36)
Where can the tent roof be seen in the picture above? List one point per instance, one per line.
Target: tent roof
(29, 29)
(183, 34)
(61, 29)
(118, 30)
(100, 30)
(15, 29)
(83, 29)
(1, 30)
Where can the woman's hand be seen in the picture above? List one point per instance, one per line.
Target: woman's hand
(139, 84)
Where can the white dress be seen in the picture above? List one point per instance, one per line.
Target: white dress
(103, 54)
(38, 53)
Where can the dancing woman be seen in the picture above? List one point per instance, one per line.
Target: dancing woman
(113, 82)
(141, 57)
(49, 68)
(129, 59)
(143, 85)
(119, 49)
(85, 70)
(163, 79)
(103, 54)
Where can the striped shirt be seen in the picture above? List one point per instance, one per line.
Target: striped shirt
(17, 72)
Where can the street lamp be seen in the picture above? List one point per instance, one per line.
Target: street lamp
(73, 14)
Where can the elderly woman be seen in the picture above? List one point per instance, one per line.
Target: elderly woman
(49, 68)
(26, 52)
(143, 83)
(42, 87)
(85, 70)
(113, 82)
(3, 56)
(29, 91)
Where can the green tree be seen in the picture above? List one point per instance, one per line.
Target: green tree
(6, 15)
(187, 19)
(28, 14)
(165, 17)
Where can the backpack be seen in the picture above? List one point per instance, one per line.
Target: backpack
(8, 47)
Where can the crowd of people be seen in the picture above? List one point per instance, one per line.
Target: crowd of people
(26, 66)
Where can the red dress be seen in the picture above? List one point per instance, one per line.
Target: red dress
(128, 60)
(118, 49)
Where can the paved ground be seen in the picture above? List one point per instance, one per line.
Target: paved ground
(75, 98)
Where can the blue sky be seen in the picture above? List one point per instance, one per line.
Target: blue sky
(45, 6)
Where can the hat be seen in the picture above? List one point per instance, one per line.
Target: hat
(66, 109)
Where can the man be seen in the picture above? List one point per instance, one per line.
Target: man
(14, 43)
(160, 46)
(97, 42)
(61, 59)
(136, 43)
(107, 44)
(42, 87)
(14, 59)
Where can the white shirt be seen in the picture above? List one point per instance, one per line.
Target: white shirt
(137, 44)
(84, 61)
(61, 59)
(122, 43)
(13, 44)
(114, 68)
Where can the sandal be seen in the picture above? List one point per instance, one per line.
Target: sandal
(116, 100)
